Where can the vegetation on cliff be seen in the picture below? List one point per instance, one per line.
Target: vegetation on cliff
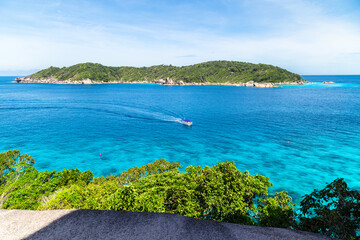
(212, 72)
(220, 192)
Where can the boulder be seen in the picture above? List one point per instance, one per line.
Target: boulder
(86, 81)
(250, 84)
(19, 79)
(169, 81)
(264, 85)
(160, 81)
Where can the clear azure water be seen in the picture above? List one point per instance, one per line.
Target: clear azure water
(300, 136)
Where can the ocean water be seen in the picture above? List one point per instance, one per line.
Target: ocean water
(301, 137)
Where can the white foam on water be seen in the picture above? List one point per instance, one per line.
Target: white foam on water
(165, 116)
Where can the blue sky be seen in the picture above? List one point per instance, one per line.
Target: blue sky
(307, 37)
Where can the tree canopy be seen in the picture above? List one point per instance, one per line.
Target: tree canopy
(333, 211)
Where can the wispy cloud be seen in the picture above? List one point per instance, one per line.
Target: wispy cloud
(307, 37)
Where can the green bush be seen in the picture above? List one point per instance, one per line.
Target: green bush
(333, 211)
(30, 189)
(13, 164)
(220, 192)
(277, 211)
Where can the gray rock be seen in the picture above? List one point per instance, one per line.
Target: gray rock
(19, 79)
(95, 224)
(250, 84)
(86, 81)
(264, 85)
(169, 81)
(160, 81)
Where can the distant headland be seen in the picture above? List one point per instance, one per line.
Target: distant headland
(207, 73)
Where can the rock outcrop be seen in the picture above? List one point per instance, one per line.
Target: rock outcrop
(87, 81)
(250, 84)
(96, 224)
(167, 81)
(291, 83)
(160, 81)
(263, 85)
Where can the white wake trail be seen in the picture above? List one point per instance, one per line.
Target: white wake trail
(154, 115)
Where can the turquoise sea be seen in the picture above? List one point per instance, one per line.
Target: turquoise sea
(302, 137)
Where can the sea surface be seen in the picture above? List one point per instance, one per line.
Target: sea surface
(301, 137)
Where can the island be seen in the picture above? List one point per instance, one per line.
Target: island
(207, 73)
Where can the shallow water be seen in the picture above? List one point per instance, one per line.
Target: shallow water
(300, 136)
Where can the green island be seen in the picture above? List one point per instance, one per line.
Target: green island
(220, 193)
(207, 73)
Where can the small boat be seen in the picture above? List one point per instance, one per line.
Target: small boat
(186, 122)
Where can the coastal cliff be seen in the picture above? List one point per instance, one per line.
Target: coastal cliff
(208, 73)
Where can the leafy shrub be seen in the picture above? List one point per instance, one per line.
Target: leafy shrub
(333, 211)
(220, 192)
(27, 191)
(277, 211)
(23, 187)
(13, 164)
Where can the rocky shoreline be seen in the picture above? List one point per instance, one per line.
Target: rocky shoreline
(166, 81)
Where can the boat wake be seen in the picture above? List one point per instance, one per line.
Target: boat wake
(151, 114)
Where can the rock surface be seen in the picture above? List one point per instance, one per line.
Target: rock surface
(250, 84)
(264, 85)
(95, 224)
(167, 81)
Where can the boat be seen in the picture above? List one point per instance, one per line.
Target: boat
(186, 122)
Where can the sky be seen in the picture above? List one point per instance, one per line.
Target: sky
(303, 36)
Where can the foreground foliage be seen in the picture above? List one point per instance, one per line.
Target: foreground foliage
(220, 192)
(333, 211)
(214, 71)
(23, 187)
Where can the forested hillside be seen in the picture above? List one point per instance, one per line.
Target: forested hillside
(212, 72)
